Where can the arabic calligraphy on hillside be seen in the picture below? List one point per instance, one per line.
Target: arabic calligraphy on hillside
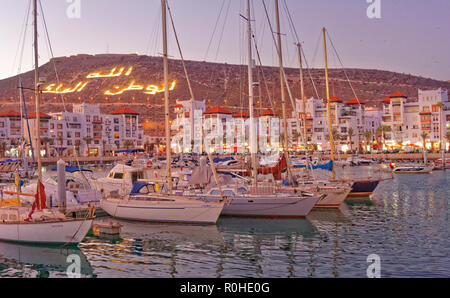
(115, 72)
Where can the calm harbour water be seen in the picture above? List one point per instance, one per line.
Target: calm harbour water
(406, 224)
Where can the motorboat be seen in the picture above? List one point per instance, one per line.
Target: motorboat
(122, 177)
(412, 169)
(78, 189)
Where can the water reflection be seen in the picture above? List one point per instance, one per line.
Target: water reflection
(23, 260)
(407, 226)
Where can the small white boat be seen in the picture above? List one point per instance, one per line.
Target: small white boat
(145, 204)
(412, 169)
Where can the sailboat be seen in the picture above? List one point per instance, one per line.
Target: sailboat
(145, 202)
(37, 223)
(359, 188)
(335, 192)
(259, 200)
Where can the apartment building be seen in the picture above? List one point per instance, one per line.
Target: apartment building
(187, 124)
(86, 131)
(351, 121)
(10, 128)
(220, 130)
(413, 122)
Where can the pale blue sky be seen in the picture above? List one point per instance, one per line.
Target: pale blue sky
(412, 36)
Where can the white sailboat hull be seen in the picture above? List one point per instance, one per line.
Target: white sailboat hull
(270, 206)
(186, 211)
(333, 199)
(69, 231)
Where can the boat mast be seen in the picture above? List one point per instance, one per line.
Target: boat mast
(282, 82)
(37, 93)
(330, 127)
(302, 94)
(253, 145)
(166, 94)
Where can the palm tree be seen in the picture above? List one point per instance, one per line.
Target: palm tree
(383, 129)
(103, 147)
(2, 149)
(350, 134)
(368, 136)
(128, 143)
(424, 136)
(336, 137)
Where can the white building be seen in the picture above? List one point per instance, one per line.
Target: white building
(187, 124)
(350, 120)
(86, 131)
(408, 121)
(10, 128)
(220, 130)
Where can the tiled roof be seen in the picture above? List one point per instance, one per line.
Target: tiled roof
(41, 115)
(241, 115)
(10, 113)
(125, 111)
(217, 110)
(355, 101)
(398, 94)
(335, 99)
(268, 112)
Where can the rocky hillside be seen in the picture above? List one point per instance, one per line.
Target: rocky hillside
(115, 80)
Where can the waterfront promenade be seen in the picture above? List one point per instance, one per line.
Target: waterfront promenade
(391, 156)
(377, 156)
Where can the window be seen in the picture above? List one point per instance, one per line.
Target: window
(77, 134)
(59, 126)
(118, 175)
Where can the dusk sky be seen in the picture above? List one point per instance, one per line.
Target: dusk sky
(412, 36)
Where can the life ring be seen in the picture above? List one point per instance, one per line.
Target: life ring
(149, 164)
